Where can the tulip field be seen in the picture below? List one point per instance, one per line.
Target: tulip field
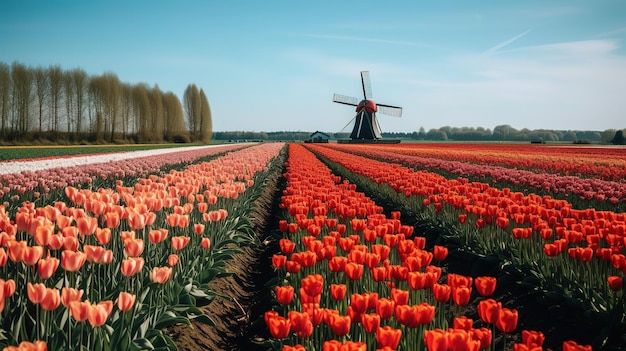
(375, 247)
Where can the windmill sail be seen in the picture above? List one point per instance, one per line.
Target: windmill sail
(390, 110)
(367, 85)
(346, 100)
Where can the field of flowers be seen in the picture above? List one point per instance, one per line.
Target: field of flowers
(105, 256)
(386, 247)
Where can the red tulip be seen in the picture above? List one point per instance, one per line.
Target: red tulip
(399, 297)
(488, 310)
(353, 270)
(461, 295)
(440, 252)
(483, 335)
(532, 338)
(286, 246)
(278, 261)
(485, 285)
(388, 337)
(338, 291)
(313, 284)
(571, 345)
(284, 294)
(436, 340)
(340, 325)
(385, 307)
(507, 320)
(370, 322)
(441, 292)
(463, 322)
(301, 323)
(413, 316)
(279, 327)
(615, 282)
(198, 228)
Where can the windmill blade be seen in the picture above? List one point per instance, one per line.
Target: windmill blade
(346, 126)
(346, 100)
(389, 110)
(367, 85)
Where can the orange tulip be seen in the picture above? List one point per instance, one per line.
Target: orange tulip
(103, 235)
(98, 314)
(206, 243)
(32, 254)
(160, 274)
(157, 235)
(72, 261)
(36, 292)
(51, 299)
(15, 250)
(7, 288)
(125, 301)
(79, 310)
(387, 337)
(198, 228)
(47, 267)
(38, 345)
(172, 260)
(86, 225)
(133, 247)
(180, 242)
(131, 266)
(43, 234)
(69, 295)
(112, 219)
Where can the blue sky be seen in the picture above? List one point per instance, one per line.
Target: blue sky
(274, 65)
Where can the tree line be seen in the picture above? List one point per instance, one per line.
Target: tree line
(52, 104)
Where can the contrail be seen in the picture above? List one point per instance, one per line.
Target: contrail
(506, 42)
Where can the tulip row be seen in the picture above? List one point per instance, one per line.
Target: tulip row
(576, 250)
(125, 262)
(611, 193)
(582, 161)
(350, 278)
(14, 184)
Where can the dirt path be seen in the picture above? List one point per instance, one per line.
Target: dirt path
(238, 318)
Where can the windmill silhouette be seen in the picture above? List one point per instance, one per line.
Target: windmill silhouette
(366, 127)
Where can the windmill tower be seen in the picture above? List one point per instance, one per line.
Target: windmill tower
(366, 127)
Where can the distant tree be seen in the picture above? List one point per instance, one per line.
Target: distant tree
(5, 93)
(79, 82)
(176, 131)
(570, 135)
(504, 132)
(141, 105)
(68, 89)
(193, 108)
(55, 78)
(22, 82)
(42, 90)
(608, 135)
(157, 116)
(618, 139)
(206, 122)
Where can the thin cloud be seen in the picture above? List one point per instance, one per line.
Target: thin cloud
(506, 42)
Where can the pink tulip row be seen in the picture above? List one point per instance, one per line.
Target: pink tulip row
(585, 188)
(45, 180)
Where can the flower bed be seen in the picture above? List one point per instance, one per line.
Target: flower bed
(351, 278)
(128, 261)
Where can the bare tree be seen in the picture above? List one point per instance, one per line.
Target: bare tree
(206, 122)
(5, 93)
(79, 81)
(68, 88)
(42, 89)
(22, 94)
(56, 93)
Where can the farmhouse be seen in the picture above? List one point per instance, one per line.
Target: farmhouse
(318, 137)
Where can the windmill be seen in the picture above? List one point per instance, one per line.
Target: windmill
(366, 127)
